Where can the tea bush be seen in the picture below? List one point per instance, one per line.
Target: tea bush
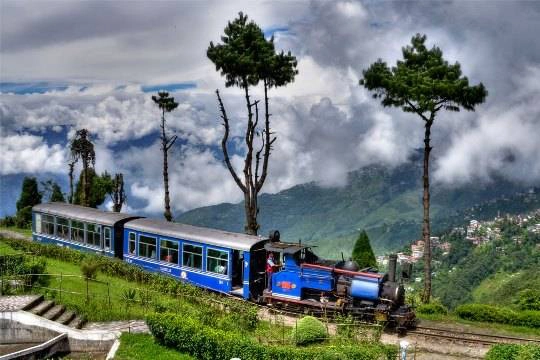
(489, 313)
(188, 335)
(513, 352)
(309, 330)
(431, 309)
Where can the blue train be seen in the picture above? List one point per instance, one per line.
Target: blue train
(231, 263)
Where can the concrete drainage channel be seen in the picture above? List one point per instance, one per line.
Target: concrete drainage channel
(24, 335)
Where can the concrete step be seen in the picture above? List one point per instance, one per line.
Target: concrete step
(42, 307)
(54, 312)
(66, 317)
(76, 322)
(38, 299)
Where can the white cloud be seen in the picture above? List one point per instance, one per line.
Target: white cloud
(505, 142)
(30, 154)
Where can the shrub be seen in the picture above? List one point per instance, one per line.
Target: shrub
(489, 313)
(8, 221)
(309, 330)
(513, 352)
(431, 309)
(187, 335)
(89, 268)
(529, 299)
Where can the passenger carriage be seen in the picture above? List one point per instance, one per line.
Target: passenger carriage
(214, 259)
(79, 227)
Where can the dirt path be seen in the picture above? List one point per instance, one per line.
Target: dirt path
(14, 235)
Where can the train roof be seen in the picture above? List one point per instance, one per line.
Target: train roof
(82, 213)
(209, 236)
(286, 248)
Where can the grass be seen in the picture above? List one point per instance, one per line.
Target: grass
(7, 250)
(488, 326)
(143, 346)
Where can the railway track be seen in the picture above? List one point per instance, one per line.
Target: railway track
(469, 337)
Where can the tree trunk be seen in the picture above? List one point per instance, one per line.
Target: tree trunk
(71, 199)
(167, 213)
(118, 193)
(250, 195)
(85, 188)
(426, 296)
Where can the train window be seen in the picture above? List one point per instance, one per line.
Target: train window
(217, 261)
(93, 235)
(147, 246)
(47, 224)
(192, 256)
(168, 251)
(77, 231)
(62, 228)
(38, 223)
(107, 237)
(132, 243)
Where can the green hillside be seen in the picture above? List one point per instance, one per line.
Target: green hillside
(495, 273)
(385, 202)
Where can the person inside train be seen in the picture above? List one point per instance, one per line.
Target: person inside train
(270, 268)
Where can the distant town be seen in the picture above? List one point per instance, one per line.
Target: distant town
(477, 232)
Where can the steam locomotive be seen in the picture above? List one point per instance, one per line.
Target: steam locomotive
(229, 263)
(304, 281)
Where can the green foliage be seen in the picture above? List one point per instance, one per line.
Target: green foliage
(30, 196)
(362, 252)
(57, 195)
(99, 187)
(52, 191)
(309, 330)
(529, 299)
(188, 335)
(489, 313)
(513, 352)
(23, 268)
(422, 82)
(165, 102)
(246, 57)
(432, 308)
(89, 268)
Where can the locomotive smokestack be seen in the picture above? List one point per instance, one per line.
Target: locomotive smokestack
(392, 262)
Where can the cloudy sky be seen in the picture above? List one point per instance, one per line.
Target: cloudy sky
(65, 65)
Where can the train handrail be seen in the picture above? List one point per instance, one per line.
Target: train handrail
(342, 271)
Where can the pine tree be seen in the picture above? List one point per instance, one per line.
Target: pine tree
(57, 195)
(423, 83)
(362, 251)
(30, 196)
(98, 188)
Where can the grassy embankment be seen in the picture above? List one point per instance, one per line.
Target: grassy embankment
(107, 300)
(143, 346)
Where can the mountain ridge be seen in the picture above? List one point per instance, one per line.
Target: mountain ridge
(384, 201)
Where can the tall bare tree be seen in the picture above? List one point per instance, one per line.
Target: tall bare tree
(82, 149)
(245, 58)
(423, 83)
(118, 195)
(71, 166)
(166, 104)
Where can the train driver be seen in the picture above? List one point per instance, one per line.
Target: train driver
(270, 264)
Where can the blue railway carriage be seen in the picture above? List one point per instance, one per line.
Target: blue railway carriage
(79, 227)
(218, 260)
